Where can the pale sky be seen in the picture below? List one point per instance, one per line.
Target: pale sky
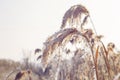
(25, 24)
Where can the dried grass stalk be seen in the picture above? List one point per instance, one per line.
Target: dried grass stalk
(73, 15)
(55, 41)
(87, 62)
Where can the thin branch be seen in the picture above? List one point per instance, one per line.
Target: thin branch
(106, 59)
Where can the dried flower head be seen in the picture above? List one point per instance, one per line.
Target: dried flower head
(74, 16)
